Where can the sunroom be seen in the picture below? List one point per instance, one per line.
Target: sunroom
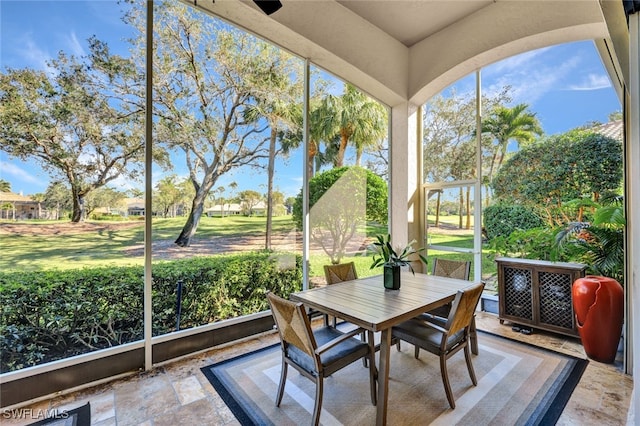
(401, 53)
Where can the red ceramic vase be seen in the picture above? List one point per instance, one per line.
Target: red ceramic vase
(598, 303)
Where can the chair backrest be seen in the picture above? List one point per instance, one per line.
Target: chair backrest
(293, 324)
(463, 308)
(341, 272)
(460, 269)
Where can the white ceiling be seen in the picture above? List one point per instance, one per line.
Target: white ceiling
(411, 21)
(399, 50)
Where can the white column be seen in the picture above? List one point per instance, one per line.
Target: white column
(404, 211)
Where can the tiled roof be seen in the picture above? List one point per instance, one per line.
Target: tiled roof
(612, 129)
(13, 197)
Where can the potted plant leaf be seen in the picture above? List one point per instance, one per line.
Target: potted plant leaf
(393, 259)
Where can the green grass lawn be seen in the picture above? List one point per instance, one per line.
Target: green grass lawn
(115, 247)
(120, 247)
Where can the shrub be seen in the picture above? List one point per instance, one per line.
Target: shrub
(49, 315)
(342, 200)
(559, 168)
(503, 219)
(535, 243)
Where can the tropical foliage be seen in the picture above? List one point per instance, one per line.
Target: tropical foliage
(558, 169)
(385, 255)
(599, 244)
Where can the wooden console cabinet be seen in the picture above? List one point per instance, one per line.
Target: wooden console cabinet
(537, 293)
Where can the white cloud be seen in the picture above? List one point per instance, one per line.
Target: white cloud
(34, 56)
(592, 82)
(532, 77)
(75, 45)
(518, 62)
(18, 173)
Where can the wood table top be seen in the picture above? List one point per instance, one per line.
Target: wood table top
(366, 303)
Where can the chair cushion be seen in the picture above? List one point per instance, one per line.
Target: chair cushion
(323, 335)
(418, 333)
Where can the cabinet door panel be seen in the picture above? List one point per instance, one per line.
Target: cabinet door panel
(555, 299)
(518, 285)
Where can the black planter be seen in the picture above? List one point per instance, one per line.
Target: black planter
(392, 277)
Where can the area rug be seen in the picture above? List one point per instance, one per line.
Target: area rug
(80, 416)
(518, 384)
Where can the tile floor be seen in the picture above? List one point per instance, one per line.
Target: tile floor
(179, 394)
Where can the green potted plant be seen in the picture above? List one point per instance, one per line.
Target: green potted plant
(393, 259)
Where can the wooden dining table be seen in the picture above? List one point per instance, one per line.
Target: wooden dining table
(366, 303)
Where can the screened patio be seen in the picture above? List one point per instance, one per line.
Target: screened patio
(402, 54)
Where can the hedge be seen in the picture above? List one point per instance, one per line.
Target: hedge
(50, 315)
(501, 220)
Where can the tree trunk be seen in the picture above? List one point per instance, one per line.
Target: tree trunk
(493, 162)
(358, 156)
(191, 226)
(270, 171)
(76, 215)
(313, 151)
(343, 147)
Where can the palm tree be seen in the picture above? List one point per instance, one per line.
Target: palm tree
(599, 244)
(354, 117)
(510, 124)
(5, 186)
(277, 102)
(220, 190)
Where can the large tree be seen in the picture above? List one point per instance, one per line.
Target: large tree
(205, 77)
(74, 121)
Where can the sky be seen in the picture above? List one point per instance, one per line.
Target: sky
(565, 85)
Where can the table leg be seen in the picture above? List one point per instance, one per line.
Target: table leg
(383, 377)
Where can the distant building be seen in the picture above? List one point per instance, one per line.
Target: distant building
(135, 206)
(234, 209)
(21, 207)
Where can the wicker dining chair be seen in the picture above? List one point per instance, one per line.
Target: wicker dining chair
(337, 273)
(444, 336)
(316, 353)
(459, 269)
